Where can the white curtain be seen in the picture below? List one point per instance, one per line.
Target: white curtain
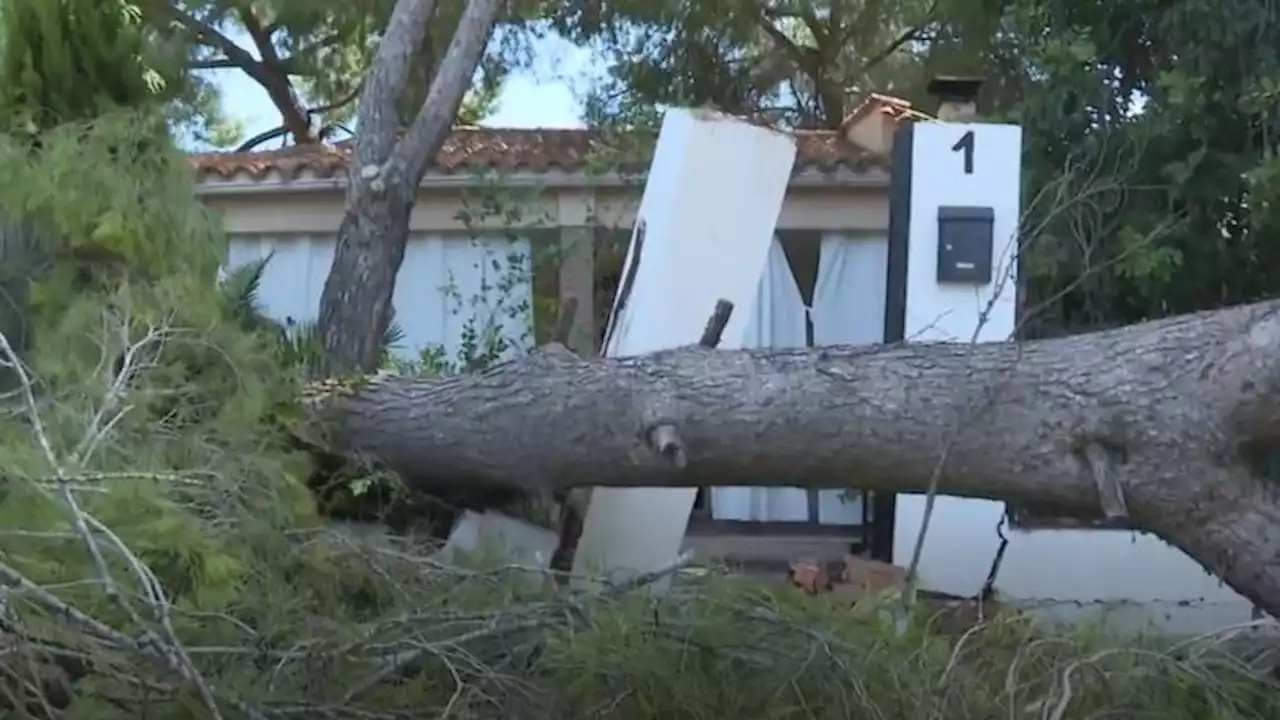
(778, 320)
(848, 309)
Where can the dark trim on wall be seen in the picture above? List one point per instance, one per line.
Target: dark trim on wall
(884, 506)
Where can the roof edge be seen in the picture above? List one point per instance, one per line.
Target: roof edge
(309, 184)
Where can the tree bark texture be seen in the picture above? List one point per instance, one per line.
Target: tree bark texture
(384, 173)
(355, 305)
(1162, 421)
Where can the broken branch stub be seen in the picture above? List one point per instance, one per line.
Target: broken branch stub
(1176, 397)
(716, 325)
(663, 438)
(665, 441)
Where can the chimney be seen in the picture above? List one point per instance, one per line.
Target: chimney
(957, 97)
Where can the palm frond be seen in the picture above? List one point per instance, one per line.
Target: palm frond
(240, 289)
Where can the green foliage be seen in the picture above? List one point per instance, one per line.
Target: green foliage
(796, 63)
(70, 60)
(327, 48)
(151, 409)
(196, 111)
(1178, 212)
(152, 226)
(733, 648)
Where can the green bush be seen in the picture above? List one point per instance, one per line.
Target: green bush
(151, 421)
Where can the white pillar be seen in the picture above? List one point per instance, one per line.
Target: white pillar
(958, 169)
(711, 203)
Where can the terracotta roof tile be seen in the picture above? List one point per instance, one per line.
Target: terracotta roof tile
(470, 149)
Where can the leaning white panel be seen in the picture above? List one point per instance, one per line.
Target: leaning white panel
(711, 202)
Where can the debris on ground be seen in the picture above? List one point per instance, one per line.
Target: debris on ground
(502, 538)
(857, 578)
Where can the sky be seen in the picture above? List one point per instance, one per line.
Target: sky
(543, 96)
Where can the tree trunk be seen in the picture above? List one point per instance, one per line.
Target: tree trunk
(384, 174)
(1162, 420)
(355, 306)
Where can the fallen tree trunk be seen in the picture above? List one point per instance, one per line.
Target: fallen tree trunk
(1163, 421)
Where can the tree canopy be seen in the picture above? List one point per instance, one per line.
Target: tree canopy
(310, 57)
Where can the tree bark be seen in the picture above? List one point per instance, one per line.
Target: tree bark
(383, 176)
(1162, 420)
(355, 305)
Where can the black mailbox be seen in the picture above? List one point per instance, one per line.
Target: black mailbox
(965, 242)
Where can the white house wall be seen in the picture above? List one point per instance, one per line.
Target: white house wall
(446, 280)
(1132, 579)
